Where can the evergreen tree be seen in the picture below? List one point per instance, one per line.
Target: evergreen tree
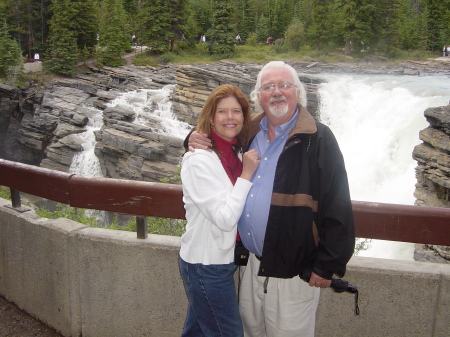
(85, 23)
(390, 19)
(178, 21)
(352, 22)
(414, 27)
(437, 11)
(113, 34)
(281, 16)
(222, 32)
(262, 28)
(62, 54)
(154, 23)
(202, 16)
(11, 62)
(320, 28)
(245, 18)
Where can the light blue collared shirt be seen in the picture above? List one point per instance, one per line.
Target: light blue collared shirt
(253, 222)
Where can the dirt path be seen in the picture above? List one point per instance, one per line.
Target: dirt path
(17, 323)
(130, 56)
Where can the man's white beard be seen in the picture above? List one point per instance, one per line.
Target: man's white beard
(278, 111)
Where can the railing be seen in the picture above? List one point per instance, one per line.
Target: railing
(428, 225)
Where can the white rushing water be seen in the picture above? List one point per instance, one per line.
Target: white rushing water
(376, 120)
(153, 105)
(86, 162)
(153, 109)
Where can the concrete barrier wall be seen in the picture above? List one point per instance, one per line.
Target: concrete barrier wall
(97, 282)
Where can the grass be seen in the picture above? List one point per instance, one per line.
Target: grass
(161, 226)
(260, 53)
(5, 193)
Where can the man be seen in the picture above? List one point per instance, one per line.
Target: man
(297, 219)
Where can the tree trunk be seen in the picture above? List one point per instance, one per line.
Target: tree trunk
(347, 47)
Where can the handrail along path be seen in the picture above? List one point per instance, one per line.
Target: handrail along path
(373, 220)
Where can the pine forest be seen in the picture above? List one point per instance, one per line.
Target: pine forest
(63, 32)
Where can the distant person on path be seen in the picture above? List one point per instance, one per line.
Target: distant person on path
(203, 38)
(238, 39)
(444, 51)
(215, 187)
(36, 57)
(269, 40)
(133, 40)
(297, 221)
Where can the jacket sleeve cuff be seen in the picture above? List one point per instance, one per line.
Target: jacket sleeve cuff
(323, 273)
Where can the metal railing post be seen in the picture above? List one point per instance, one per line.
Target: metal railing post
(16, 202)
(141, 227)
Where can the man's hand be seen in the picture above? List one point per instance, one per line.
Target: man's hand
(199, 140)
(318, 282)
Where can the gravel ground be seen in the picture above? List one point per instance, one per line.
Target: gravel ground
(17, 323)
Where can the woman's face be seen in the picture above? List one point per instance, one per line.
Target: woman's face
(228, 118)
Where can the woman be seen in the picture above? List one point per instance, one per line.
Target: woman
(215, 187)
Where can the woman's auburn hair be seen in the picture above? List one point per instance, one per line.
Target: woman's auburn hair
(210, 107)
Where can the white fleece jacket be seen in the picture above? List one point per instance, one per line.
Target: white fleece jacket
(213, 207)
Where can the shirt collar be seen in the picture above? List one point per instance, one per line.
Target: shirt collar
(282, 129)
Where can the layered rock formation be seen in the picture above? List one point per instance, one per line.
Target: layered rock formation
(433, 174)
(40, 127)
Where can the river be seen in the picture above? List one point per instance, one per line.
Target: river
(375, 118)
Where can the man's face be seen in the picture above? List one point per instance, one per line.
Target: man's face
(278, 103)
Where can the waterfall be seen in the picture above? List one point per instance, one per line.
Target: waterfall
(86, 162)
(152, 106)
(376, 120)
(149, 106)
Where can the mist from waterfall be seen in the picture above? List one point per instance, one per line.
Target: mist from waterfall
(376, 120)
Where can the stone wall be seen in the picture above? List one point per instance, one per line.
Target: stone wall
(99, 282)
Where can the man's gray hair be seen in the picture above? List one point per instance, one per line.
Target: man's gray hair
(278, 64)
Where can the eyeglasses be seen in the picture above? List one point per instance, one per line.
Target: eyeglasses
(280, 86)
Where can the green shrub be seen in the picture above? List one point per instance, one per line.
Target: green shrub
(252, 40)
(145, 59)
(159, 226)
(68, 212)
(166, 58)
(5, 193)
(294, 35)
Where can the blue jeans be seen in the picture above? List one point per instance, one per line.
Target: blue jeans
(213, 305)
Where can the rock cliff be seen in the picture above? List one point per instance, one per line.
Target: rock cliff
(39, 127)
(433, 174)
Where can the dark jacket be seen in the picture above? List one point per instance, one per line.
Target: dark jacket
(310, 225)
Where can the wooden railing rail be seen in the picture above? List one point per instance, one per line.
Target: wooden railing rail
(373, 220)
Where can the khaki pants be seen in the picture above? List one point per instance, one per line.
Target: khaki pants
(288, 309)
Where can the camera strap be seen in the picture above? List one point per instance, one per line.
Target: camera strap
(339, 286)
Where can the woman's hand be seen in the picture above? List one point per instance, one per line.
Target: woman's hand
(250, 162)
